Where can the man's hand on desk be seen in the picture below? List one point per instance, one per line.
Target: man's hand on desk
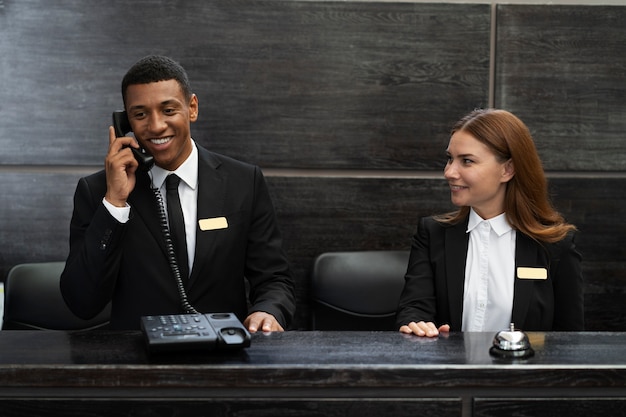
(421, 328)
(260, 320)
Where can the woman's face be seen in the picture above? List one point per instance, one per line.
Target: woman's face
(476, 178)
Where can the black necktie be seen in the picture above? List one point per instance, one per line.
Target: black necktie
(177, 224)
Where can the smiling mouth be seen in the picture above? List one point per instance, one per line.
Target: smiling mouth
(160, 141)
(456, 187)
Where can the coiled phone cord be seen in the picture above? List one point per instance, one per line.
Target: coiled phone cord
(171, 255)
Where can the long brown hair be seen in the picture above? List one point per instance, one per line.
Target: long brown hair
(526, 202)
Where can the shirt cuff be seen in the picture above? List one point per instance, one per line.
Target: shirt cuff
(121, 214)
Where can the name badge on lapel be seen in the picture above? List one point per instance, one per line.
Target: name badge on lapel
(214, 223)
(531, 273)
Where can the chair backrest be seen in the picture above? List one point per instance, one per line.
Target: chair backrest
(33, 301)
(357, 290)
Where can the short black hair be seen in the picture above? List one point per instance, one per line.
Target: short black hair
(154, 68)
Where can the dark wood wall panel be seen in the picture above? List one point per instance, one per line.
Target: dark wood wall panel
(34, 217)
(323, 84)
(562, 70)
(333, 214)
(547, 407)
(280, 83)
(595, 205)
(251, 407)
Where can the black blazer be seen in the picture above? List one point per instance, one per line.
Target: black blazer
(435, 279)
(127, 263)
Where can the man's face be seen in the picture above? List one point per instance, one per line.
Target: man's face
(160, 117)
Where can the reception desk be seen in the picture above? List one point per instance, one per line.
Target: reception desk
(360, 374)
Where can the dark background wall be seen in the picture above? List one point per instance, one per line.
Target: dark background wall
(345, 105)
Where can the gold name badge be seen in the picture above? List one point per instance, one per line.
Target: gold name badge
(214, 223)
(532, 273)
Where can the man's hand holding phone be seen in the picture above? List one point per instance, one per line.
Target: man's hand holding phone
(120, 166)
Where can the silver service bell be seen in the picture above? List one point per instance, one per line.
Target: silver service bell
(512, 344)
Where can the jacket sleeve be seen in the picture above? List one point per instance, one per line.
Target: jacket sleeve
(568, 285)
(89, 277)
(267, 269)
(418, 298)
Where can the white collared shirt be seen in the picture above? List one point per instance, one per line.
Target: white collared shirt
(489, 274)
(187, 191)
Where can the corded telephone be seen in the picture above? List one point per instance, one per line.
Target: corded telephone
(122, 127)
(181, 332)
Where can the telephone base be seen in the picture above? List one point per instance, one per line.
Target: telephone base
(185, 332)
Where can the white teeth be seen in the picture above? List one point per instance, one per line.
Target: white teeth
(161, 141)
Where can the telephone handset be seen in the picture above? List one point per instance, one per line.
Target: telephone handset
(122, 127)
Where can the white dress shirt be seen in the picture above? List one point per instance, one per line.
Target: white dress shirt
(489, 274)
(187, 191)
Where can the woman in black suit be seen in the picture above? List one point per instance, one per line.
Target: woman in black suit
(505, 255)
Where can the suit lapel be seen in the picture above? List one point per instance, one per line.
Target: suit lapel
(456, 243)
(211, 197)
(526, 254)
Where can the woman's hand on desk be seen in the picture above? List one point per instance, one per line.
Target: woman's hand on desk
(421, 328)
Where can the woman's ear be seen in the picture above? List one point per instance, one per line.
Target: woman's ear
(509, 171)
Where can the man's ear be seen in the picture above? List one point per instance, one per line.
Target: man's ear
(509, 171)
(193, 108)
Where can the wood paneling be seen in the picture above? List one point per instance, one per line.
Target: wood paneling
(331, 214)
(34, 217)
(251, 407)
(312, 374)
(562, 69)
(323, 84)
(280, 83)
(547, 407)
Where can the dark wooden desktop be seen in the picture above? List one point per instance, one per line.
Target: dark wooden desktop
(304, 373)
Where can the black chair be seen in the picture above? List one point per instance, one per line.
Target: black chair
(357, 290)
(33, 301)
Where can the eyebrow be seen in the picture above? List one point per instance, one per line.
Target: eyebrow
(162, 104)
(464, 155)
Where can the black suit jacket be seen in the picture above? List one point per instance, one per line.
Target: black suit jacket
(127, 263)
(435, 279)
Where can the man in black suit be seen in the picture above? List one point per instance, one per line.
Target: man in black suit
(118, 251)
